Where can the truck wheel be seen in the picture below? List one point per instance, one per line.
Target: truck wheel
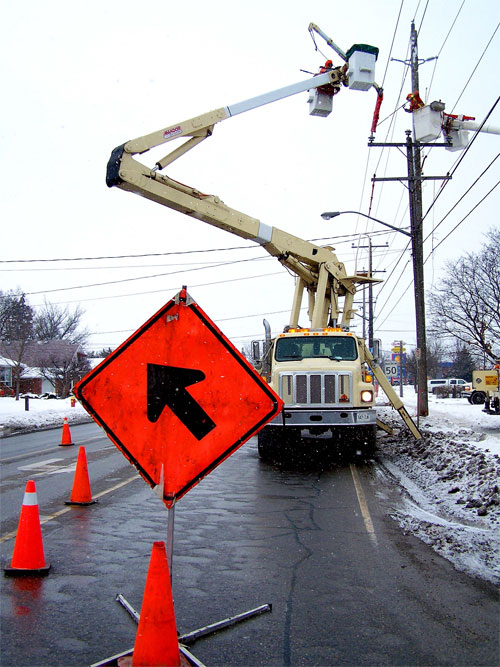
(368, 441)
(477, 397)
(266, 444)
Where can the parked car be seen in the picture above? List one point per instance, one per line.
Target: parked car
(457, 385)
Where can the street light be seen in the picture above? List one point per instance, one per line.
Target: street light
(418, 281)
(333, 214)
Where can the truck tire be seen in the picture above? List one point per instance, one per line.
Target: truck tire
(266, 444)
(477, 398)
(368, 441)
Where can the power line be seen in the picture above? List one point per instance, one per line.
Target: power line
(123, 266)
(423, 16)
(392, 42)
(158, 275)
(460, 160)
(386, 282)
(343, 238)
(442, 240)
(216, 319)
(164, 289)
(462, 220)
(462, 197)
(150, 254)
(475, 68)
(126, 280)
(442, 47)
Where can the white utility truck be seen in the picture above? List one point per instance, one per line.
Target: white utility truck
(324, 373)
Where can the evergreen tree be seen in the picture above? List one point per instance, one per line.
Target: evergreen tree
(16, 330)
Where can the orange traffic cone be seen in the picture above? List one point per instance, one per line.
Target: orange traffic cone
(66, 433)
(156, 641)
(81, 494)
(28, 557)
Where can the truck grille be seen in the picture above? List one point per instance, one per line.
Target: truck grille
(316, 388)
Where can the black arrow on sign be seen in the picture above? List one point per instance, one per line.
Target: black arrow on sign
(167, 387)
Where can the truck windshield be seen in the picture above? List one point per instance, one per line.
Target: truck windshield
(337, 348)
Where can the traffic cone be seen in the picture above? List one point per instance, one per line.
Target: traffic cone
(156, 641)
(28, 558)
(66, 434)
(81, 494)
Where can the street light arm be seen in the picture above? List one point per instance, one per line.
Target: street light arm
(333, 214)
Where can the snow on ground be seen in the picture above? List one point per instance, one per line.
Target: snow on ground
(43, 413)
(450, 480)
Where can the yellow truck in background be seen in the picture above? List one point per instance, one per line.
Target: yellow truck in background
(486, 389)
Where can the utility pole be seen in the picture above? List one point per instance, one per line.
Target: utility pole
(415, 191)
(414, 180)
(370, 247)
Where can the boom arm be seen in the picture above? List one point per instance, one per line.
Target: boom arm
(318, 269)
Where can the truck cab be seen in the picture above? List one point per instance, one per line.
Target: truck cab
(326, 388)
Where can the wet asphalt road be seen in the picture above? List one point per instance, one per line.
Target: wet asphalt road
(347, 587)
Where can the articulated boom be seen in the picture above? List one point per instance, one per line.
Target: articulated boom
(318, 269)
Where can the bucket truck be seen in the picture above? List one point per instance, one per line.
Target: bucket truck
(323, 372)
(486, 389)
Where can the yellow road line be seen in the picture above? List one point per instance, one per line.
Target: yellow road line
(363, 506)
(68, 508)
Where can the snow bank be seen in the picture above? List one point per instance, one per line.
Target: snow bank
(42, 414)
(451, 481)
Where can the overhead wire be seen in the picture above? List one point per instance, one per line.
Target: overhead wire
(442, 47)
(240, 247)
(94, 258)
(423, 15)
(163, 274)
(449, 234)
(462, 197)
(165, 289)
(127, 280)
(462, 220)
(336, 239)
(429, 235)
(457, 164)
(369, 152)
(460, 159)
(475, 67)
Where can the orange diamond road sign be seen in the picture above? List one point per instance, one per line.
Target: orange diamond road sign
(177, 398)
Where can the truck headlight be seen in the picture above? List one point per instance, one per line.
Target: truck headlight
(366, 396)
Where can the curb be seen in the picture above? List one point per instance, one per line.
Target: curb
(9, 431)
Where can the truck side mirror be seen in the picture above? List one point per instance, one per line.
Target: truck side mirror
(376, 351)
(256, 350)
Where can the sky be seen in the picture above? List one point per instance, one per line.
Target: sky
(80, 79)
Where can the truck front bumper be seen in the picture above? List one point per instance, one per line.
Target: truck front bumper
(306, 418)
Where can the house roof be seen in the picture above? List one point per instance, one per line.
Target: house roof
(38, 354)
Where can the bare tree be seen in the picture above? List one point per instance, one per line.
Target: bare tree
(60, 338)
(436, 352)
(465, 305)
(62, 363)
(53, 322)
(16, 330)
